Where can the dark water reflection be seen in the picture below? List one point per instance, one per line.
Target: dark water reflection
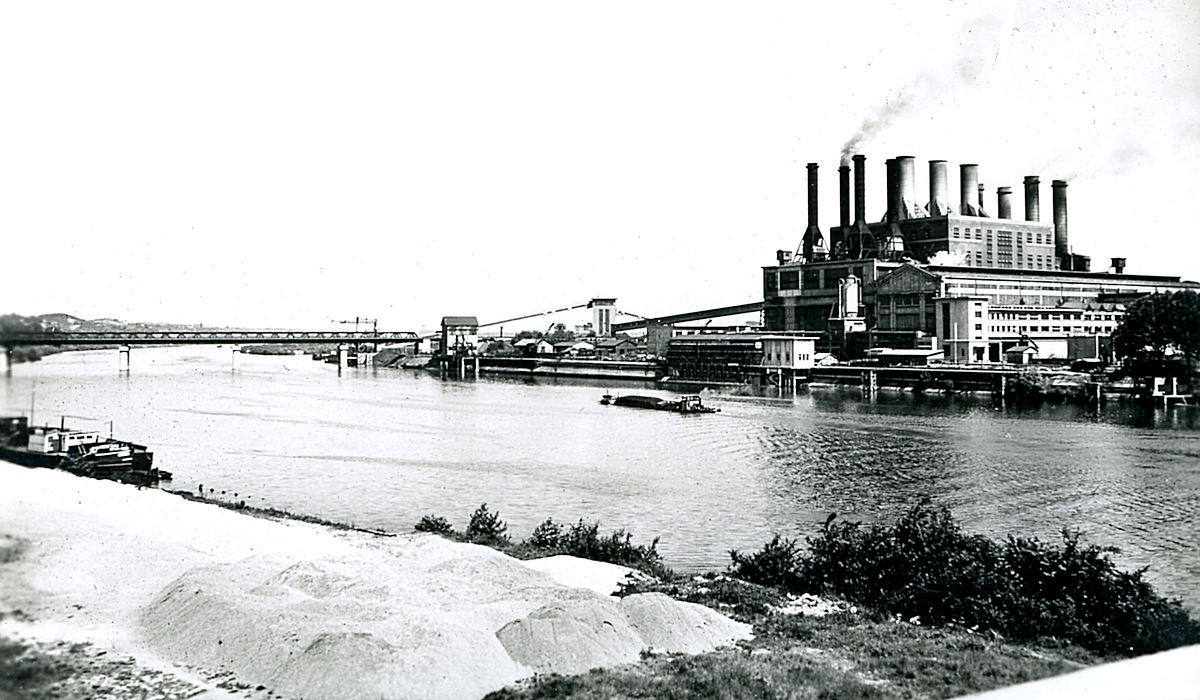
(383, 447)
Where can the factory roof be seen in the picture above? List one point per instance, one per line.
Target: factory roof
(460, 321)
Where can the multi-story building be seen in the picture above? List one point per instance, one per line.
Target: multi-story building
(968, 283)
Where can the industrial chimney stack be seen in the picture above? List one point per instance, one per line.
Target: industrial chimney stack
(893, 190)
(939, 200)
(968, 181)
(843, 208)
(982, 210)
(1004, 202)
(906, 169)
(813, 243)
(860, 190)
(1062, 247)
(1032, 199)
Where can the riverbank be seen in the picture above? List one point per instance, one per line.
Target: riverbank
(105, 588)
(208, 596)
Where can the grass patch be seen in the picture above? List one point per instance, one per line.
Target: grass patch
(837, 656)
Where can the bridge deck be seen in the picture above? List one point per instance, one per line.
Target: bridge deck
(204, 337)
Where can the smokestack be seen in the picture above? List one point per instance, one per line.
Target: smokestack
(1004, 202)
(1032, 199)
(1062, 247)
(860, 190)
(968, 181)
(982, 189)
(893, 190)
(906, 172)
(843, 209)
(813, 242)
(1118, 265)
(939, 200)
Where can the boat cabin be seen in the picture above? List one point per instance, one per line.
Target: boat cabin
(44, 439)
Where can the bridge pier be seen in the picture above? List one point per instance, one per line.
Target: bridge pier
(6, 361)
(236, 359)
(123, 359)
(343, 351)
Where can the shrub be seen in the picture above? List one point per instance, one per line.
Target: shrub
(924, 566)
(776, 564)
(1029, 386)
(435, 524)
(547, 535)
(486, 527)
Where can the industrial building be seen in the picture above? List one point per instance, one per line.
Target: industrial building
(956, 280)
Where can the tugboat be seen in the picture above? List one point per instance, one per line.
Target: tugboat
(83, 452)
(686, 404)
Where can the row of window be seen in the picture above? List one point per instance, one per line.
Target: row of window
(1035, 237)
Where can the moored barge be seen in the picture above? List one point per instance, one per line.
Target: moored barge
(83, 452)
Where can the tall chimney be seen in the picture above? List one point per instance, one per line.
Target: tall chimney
(893, 190)
(968, 180)
(859, 235)
(982, 209)
(1033, 205)
(813, 242)
(939, 200)
(1004, 202)
(860, 190)
(1062, 247)
(843, 209)
(906, 171)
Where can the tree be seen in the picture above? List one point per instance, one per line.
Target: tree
(1160, 328)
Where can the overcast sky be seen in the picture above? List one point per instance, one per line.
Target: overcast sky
(288, 163)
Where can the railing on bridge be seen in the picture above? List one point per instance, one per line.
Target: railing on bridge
(204, 337)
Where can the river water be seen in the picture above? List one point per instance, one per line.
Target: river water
(381, 447)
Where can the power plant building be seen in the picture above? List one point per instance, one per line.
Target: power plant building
(948, 278)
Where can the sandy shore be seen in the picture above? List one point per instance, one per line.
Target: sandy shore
(231, 603)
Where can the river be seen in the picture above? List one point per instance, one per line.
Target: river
(382, 447)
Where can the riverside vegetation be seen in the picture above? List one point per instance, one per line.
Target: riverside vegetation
(916, 608)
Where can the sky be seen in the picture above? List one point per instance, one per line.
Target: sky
(285, 164)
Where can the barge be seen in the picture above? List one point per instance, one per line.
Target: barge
(82, 452)
(686, 404)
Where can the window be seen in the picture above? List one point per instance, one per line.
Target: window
(789, 279)
(978, 314)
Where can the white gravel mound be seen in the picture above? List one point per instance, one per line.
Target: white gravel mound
(309, 611)
(573, 638)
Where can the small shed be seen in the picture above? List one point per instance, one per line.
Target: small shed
(1020, 354)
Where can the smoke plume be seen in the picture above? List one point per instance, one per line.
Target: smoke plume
(981, 46)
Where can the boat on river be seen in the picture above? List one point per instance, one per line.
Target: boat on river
(690, 403)
(82, 452)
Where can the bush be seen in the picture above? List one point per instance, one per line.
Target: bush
(435, 524)
(774, 565)
(583, 539)
(486, 527)
(924, 566)
(547, 535)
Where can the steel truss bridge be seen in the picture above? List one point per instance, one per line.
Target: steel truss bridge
(206, 338)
